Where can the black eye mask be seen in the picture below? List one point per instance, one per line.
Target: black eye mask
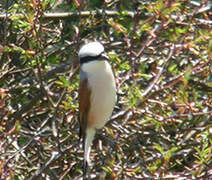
(101, 57)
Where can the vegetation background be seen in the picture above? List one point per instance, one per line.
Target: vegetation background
(161, 53)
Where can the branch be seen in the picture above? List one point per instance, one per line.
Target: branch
(150, 87)
(54, 157)
(110, 13)
(39, 95)
(76, 14)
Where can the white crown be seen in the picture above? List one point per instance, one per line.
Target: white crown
(91, 49)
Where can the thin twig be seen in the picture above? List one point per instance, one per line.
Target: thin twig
(54, 157)
(39, 95)
(149, 88)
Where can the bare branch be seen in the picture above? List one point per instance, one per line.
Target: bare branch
(39, 95)
(76, 14)
(149, 88)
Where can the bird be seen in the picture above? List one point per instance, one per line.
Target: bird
(97, 94)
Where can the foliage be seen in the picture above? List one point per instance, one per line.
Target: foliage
(161, 52)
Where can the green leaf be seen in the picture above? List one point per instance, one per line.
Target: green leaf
(21, 141)
(146, 76)
(64, 81)
(159, 5)
(146, 27)
(172, 68)
(107, 169)
(159, 148)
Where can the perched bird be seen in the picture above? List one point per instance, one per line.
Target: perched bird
(97, 94)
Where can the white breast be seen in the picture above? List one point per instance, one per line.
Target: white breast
(103, 92)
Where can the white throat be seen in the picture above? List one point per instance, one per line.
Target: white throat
(95, 66)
